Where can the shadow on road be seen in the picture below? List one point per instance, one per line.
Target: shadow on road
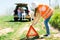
(32, 38)
(18, 21)
(27, 39)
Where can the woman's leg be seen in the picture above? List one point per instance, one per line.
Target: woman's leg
(19, 15)
(47, 26)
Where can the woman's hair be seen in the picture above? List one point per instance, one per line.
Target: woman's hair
(35, 12)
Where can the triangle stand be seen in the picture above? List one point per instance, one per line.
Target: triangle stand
(32, 32)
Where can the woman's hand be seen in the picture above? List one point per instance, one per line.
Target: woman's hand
(36, 19)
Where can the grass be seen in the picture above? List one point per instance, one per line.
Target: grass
(5, 22)
(55, 19)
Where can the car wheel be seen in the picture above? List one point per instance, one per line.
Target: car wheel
(29, 19)
(15, 19)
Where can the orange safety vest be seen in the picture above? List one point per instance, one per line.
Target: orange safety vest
(45, 11)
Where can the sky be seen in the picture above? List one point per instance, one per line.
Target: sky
(7, 6)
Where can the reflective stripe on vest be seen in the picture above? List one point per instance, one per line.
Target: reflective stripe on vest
(45, 11)
(49, 14)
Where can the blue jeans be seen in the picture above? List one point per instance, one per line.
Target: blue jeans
(19, 15)
(47, 26)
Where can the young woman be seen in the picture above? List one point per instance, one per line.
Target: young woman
(20, 11)
(45, 12)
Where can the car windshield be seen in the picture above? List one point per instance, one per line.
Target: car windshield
(24, 8)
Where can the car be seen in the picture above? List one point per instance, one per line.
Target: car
(25, 14)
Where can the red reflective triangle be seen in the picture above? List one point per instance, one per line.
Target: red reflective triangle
(34, 33)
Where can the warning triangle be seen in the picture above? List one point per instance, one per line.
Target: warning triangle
(32, 32)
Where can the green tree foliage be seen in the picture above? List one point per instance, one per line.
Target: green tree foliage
(55, 19)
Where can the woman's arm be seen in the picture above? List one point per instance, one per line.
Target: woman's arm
(36, 19)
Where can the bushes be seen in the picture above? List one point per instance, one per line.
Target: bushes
(55, 19)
